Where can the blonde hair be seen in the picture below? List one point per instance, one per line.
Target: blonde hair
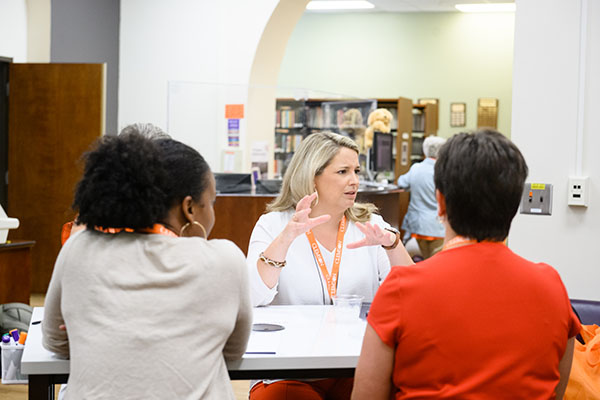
(310, 159)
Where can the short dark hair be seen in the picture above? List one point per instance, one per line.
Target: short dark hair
(481, 176)
(131, 181)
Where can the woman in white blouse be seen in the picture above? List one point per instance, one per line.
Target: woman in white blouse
(316, 242)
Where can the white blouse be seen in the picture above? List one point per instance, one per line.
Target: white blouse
(301, 282)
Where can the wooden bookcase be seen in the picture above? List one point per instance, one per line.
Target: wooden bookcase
(425, 123)
(294, 120)
(413, 123)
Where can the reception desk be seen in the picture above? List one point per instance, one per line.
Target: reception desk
(236, 214)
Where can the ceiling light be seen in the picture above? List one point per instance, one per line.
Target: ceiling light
(339, 5)
(487, 7)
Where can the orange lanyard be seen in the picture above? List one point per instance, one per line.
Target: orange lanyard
(156, 228)
(332, 279)
(458, 241)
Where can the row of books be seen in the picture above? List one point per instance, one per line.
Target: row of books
(418, 121)
(289, 118)
(314, 117)
(286, 117)
(280, 163)
(394, 111)
(287, 143)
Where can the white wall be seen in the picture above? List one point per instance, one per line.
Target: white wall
(87, 31)
(13, 30)
(38, 30)
(545, 123)
(212, 42)
(454, 57)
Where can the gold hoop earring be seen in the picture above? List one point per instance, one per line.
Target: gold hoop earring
(317, 199)
(183, 228)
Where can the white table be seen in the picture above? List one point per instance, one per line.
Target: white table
(314, 344)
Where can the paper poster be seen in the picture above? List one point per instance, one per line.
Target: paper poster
(228, 161)
(233, 132)
(259, 158)
(234, 111)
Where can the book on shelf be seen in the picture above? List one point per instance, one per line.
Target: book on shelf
(315, 117)
(394, 111)
(286, 117)
(418, 121)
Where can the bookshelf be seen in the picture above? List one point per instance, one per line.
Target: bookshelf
(412, 123)
(425, 123)
(295, 119)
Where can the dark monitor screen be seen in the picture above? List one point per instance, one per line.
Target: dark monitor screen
(382, 152)
(233, 183)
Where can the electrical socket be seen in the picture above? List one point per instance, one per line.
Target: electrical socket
(579, 188)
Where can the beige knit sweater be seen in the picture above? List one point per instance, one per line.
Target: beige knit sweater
(148, 316)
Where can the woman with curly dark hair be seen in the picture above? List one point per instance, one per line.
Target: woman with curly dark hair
(152, 308)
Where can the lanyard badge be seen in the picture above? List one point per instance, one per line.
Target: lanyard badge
(330, 279)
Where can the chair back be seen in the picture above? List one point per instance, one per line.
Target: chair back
(588, 311)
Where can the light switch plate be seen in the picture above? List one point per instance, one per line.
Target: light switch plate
(537, 199)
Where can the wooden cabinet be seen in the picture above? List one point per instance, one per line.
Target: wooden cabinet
(15, 271)
(413, 123)
(425, 123)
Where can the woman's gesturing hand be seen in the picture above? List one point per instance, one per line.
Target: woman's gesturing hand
(301, 222)
(374, 236)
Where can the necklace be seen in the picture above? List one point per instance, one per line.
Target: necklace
(156, 228)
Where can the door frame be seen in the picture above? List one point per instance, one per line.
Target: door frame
(4, 93)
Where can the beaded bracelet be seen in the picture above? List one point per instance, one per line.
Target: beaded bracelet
(272, 263)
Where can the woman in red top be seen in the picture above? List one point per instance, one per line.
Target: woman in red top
(475, 321)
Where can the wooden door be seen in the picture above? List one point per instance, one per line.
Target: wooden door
(56, 111)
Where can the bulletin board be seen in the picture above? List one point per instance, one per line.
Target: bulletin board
(487, 113)
(458, 114)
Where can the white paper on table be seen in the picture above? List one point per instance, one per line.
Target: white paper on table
(264, 342)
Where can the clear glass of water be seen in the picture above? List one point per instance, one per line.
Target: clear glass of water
(347, 307)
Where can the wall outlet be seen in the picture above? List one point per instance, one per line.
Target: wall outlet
(579, 189)
(537, 199)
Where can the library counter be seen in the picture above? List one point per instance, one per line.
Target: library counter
(237, 213)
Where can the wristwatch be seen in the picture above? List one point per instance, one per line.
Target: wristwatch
(395, 244)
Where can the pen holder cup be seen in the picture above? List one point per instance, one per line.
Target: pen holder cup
(11, 364)
(347, 307)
